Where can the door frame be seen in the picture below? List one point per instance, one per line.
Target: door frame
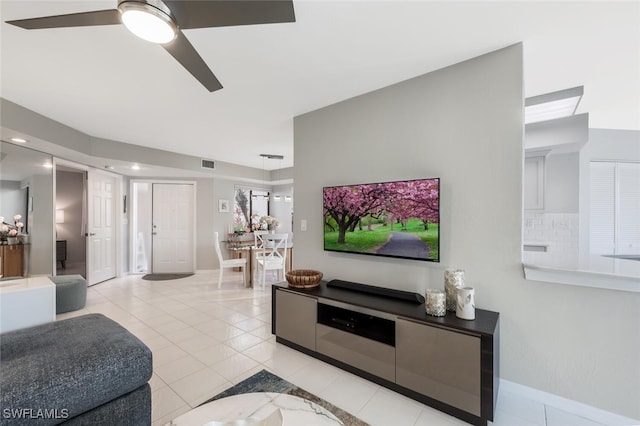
(195, 216)
(118, 205)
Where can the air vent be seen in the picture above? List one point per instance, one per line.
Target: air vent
(207, 164)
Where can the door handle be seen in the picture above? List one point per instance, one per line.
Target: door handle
(91, 234)
(154, 233)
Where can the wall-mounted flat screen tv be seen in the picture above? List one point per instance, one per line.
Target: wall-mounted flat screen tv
(395, 219)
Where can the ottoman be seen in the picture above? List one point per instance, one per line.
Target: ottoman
(83, 370)
(71, 292)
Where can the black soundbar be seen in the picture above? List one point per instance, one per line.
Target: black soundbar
(406, 296)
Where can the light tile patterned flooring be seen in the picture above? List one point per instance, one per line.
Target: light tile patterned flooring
(206, 339)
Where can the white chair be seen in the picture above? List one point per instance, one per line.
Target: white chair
(258, 242)
(229, 263)
(273, 256)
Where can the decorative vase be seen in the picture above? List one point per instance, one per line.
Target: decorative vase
(466, 305)
(453, 280)
(12, 240)
(435, 301)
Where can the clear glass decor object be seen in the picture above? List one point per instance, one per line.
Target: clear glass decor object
(453, 280)
(435, 302)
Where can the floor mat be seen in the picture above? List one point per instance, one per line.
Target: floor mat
(164, 277)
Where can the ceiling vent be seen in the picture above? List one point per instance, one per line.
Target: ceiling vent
(207, 164)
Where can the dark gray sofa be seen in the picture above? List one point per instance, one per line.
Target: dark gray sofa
(86, 370)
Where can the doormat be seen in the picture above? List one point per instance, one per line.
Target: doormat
(164, 277)
(265, 381)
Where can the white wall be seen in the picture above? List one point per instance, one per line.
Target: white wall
(464, 125)
(12, 200)
(41, 225)
(282, 209)
(561, 183)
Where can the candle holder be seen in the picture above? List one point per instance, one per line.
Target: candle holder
(435, 302)
(453, 280)
(466, 308)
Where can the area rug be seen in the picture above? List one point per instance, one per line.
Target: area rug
(265, 381)
(164, 277)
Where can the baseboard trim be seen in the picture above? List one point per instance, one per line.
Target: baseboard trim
(574, 407)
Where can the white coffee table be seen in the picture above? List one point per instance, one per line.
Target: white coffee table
(258, 409)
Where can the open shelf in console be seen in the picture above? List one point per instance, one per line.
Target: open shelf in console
(361, 324)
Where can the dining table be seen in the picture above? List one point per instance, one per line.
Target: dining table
(247, 250)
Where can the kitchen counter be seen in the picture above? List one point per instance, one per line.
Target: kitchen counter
(591, 271)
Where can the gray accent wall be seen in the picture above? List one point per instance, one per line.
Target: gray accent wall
(464, 124)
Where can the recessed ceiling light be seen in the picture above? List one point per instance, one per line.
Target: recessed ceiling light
(48, 165)
(108, 167)
(550, 106)
(18, 140)
(135, 167)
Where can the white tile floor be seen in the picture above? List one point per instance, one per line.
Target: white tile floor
(206, 339)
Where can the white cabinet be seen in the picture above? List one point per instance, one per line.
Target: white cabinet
(534, 182)
(614, 208)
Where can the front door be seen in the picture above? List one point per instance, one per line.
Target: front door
(101, 230)
(173, 228)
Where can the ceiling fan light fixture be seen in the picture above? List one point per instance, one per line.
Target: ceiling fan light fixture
(148, 21)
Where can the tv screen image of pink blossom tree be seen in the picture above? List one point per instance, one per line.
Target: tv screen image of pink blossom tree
(396, 219)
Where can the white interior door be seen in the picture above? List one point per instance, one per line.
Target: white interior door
(101, 228)
(173, 233)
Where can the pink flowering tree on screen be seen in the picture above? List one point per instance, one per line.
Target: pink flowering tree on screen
(346, 205)
(399, 201)
(413, 199)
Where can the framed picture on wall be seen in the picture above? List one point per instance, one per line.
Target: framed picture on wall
(223, 206)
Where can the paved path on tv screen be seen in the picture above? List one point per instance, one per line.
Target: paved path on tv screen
(406, 245)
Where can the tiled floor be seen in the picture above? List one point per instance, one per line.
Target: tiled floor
(205, 339)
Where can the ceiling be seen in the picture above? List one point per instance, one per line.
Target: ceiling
(107, 83)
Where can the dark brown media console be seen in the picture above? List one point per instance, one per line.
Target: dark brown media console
(444, 362)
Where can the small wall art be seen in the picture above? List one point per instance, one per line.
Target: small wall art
(223, 206)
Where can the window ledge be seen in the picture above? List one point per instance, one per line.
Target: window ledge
(594, 276)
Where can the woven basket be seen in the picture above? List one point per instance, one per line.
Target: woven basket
(304, 278)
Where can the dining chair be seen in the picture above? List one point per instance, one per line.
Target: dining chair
(258, 242)
(229, 263)
(272, 256)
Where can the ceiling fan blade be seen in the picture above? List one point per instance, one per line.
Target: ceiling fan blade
(223, 13)
(85, 19)
(184, 52)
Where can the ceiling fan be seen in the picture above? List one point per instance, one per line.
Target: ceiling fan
(162, 22)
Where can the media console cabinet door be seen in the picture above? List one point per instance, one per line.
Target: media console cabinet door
(439, 363)
(296, 317)
(365, 354)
